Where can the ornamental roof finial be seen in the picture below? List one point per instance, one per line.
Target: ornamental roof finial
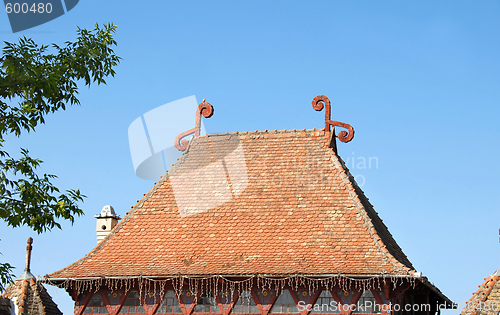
(205, 109)
(28, 254)
(26, 273)
(318, 103)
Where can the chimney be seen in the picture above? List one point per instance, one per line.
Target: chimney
(106, 221)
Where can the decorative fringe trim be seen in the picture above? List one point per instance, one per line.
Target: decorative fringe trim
(219, 283)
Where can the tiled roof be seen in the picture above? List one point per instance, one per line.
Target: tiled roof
(263, 202)
(31, 298)
(486, 300)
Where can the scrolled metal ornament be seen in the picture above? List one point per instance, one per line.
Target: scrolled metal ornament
(318, 103)
(207, 110)
(344, 136)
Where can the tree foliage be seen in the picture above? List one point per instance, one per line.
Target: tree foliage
(35, 81)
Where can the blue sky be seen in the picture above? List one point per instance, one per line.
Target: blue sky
(418, 81)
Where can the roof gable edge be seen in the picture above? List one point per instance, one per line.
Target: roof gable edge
(368, 213)
(129, 215)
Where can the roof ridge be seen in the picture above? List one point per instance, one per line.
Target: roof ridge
(23, 296)
(481, 295)
(357, 195)
(265, 131)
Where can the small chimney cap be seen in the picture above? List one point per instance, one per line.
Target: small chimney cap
(107, 212)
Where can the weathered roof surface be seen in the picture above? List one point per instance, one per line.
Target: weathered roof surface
(31, 298)
(266, 202)
(5, 306)
(486, 300)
